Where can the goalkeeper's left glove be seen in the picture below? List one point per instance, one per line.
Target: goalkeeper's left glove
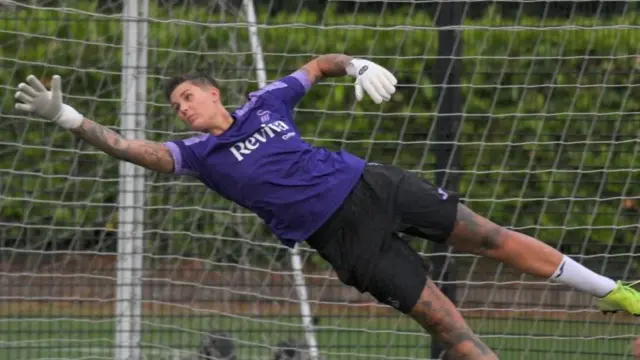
(377, 81)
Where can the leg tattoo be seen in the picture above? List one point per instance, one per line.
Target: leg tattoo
(478, 235)
(437, 314)
(475, 234)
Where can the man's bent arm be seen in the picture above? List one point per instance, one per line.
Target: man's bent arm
(148, 154)
(329, 65)
(371, 78)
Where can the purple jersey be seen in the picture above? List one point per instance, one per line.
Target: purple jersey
(262, 163)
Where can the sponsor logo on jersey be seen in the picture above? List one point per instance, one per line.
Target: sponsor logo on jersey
(262, 136)
(264, 115)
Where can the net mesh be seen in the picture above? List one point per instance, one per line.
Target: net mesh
(548, 146)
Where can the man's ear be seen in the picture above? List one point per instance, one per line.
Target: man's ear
(215, 93)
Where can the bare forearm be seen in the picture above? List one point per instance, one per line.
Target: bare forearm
(102, 138)
(332, 65)
(329, 65)
(148, 154)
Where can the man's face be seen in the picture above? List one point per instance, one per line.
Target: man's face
(195, 105)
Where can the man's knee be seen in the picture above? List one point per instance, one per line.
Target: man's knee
(434, 311)
(474, 233)
(439, 316)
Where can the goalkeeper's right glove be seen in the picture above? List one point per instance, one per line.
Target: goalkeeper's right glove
(375, 80)
(46, 104)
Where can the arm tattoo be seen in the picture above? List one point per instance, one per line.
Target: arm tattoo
(333, 64)
(329, 65)
(151, 155)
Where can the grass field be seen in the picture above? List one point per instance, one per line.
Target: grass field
(341, 338)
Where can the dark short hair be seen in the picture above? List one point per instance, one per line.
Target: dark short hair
(200, 79)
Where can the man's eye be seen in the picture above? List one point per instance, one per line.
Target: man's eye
(188, 97)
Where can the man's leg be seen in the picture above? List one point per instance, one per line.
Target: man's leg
(437, 314)
(477, 235)
(432, 213)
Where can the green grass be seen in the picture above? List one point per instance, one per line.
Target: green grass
(339, 338)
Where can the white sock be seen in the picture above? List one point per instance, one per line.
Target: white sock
(580, 278)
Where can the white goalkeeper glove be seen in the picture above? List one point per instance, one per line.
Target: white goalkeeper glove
(377, 81)
(48, 105)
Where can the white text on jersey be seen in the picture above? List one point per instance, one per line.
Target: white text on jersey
(266, 132)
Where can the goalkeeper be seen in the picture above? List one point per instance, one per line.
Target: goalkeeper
(349, 210)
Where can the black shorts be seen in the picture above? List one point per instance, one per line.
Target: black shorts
(361, 242)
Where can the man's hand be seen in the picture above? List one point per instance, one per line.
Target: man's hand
(377, 81)
(47, 104)
(636, 348)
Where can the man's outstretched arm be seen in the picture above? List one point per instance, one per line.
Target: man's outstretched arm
(371, 78)
(149, 154)
(35, 98)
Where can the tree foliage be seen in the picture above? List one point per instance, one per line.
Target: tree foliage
(548, 140)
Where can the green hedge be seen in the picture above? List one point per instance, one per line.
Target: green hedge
(566, 142)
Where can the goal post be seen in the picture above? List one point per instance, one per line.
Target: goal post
(131, 199)
(547, 143)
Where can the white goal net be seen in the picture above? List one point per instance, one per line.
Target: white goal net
(548, 139)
